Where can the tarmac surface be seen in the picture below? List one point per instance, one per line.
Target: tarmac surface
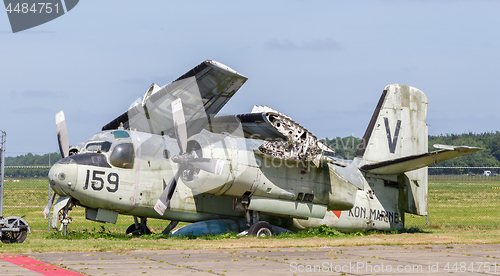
(362, 260)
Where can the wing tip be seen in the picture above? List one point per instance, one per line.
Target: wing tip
(448, 147)
(221, 66)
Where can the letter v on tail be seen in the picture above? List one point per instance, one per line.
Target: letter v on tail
(392, 141)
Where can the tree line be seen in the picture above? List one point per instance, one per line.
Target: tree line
(345, 148)
(30, 159)
(489, 157)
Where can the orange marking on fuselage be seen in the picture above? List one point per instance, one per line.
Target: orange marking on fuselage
(337, 213)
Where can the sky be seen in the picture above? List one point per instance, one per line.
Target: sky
(323, 63)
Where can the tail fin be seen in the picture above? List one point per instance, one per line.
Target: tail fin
(398, 127)
(395, 143)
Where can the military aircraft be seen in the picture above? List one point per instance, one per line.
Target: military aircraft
(172, 157)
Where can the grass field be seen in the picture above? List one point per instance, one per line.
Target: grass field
(29, 197)
(461, 205)
(459, 212)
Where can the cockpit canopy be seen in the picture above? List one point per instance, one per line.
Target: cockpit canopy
(118, 143)
(98, 146)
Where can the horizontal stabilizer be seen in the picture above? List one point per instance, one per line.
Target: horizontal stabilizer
(413, 162)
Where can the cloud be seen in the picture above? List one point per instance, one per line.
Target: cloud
(314, 45)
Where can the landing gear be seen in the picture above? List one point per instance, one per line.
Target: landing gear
(137, 228)
(61, 213)
(256, 227)
(170, 227)
(65, 218)
(261, 229)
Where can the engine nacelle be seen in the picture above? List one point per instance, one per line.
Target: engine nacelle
(220, 147)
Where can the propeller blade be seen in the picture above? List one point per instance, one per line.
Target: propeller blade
(162, 203)
(179, 125)
(62, 134)
(214, 166)
(46, 211)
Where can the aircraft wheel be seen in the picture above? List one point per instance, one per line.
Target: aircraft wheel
(132, 230)
(15, 237)
(261, 229)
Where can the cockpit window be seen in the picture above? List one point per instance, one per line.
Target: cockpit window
(98, 146)
(120, 134)
(123, 156)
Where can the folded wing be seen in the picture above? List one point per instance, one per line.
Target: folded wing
(204, 90)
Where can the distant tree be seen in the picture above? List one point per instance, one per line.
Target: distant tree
(33, 160)
(345, 147)
(30, 160)
(486, 158)
(490, 157)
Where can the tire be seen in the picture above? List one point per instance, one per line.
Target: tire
(261, 229)
(15, 237)
(131, 230)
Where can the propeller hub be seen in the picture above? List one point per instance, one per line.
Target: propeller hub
(179, 159)
(184, 158)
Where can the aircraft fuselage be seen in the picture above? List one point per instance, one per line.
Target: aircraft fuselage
(124, 171)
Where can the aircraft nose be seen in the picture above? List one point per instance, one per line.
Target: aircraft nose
(63, 176)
